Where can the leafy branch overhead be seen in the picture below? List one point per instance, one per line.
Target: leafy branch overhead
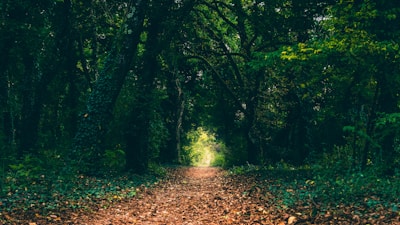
(98, 89)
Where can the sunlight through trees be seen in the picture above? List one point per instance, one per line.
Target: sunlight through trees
(99, 87)
(203, 149)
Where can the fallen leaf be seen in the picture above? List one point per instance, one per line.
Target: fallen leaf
(7, 217)
(292, 220)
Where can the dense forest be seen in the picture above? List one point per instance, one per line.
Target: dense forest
(109, 86)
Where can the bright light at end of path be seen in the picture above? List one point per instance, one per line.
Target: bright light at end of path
(203, 149)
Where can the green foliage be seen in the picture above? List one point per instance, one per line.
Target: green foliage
(368, 188)
(324, 190)
(220, 156)
(158, 136)
(243, 169)
(114, 159)
(337, 178)
(320, 76)
(387, 123)
(29, 169)
(48, 194)
(49, 164)
(339, 160)
(157, 169)
(360, 135)
(203, 149)
(2, 176)
(234, 150)
(46, 183)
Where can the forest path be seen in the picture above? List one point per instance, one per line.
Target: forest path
(194, 195)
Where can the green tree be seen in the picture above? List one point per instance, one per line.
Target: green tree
(238, 31)
(94, 121)
(343, 76)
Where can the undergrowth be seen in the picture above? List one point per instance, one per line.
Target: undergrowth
(42, 187)
(291, 187)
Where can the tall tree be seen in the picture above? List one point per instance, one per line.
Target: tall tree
(148, 140)
(138, 141)
(93, 122)
(238, 31)
(342, 74)
(27, 49)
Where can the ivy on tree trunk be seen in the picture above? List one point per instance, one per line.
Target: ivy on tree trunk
(88, 146)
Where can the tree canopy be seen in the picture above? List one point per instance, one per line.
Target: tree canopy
(124, 84)
(95, 90)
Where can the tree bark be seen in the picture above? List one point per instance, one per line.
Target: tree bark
(138, 142)
(179, 117)
(88, 143)
(173, 109)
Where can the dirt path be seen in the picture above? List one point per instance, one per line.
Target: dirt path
(202, 195)
(205, 195)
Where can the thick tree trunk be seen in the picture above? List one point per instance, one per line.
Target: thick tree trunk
(254, 145)
(88, 142)
(137, 149)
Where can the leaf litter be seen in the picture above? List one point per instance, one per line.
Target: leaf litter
(208, 195)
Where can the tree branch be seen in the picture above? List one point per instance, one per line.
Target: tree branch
(219, 79)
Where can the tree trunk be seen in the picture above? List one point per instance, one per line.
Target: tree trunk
(88, 143)
(253, 153)
(27, 129)
(175, 108)
(137, 141)
(176, 156)
(69, 51)
(387, 103)
(137, 149)
(6, 131)
(369, 129)
(254, 145)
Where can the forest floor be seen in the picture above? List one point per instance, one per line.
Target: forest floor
(207, 195)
